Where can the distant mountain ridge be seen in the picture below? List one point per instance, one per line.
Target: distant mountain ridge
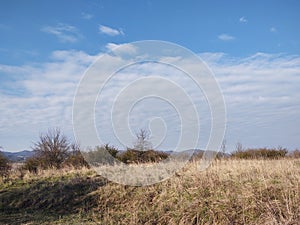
(18, 156)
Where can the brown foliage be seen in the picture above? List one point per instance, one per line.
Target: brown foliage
(101, 155)
(260, 153)
(52, 149)
(4, 166)
(75, 158)
(295, 154)
(136, 156)
(32, 164)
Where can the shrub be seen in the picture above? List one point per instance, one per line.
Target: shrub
(112, 150)
(4, 166)
(198, 155)
(142, 143)
(75, 158)
(101, 155)
(32, 164)
(295, 154)
(260, 153)
(52, 149)
(136, 156)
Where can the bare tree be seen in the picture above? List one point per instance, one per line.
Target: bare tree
(239, 147)
(4, 165)
(223, 147)
(52, 148)
(75, 158)
(142, 143)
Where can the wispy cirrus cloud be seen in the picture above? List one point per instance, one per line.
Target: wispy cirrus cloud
(273, 29)
(110, 31)
(86, 16)
(44, 94)
(64, 32)
(260, 91)
(126, 48)
(261, 97)
(243, 20)
(226, 37)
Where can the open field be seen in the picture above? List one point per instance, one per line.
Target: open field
(229, 192)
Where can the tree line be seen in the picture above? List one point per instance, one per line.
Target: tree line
(54, 150)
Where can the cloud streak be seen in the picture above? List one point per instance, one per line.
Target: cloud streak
(262, 98)
(261, 93)
(86, 16)
(243, 20)
(273, 30)
(42, 97)
(226, 37)
(110, 31)
(64, 32)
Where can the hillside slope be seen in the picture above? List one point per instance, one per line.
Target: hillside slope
(18, 156)
(229, 192)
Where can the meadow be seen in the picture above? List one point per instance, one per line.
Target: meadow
(230, 191)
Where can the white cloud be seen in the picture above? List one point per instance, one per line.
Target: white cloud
(261, 93)
(64, 32)
(125, 48)
(262, 98)
(73, 56)
(39, 97)
(273, 30)
(212, 57)
(243, 20)
(110, 31)
(86, 16)
(226, 37)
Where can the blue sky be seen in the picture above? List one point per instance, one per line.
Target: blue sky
(256, 26)
(253, 47)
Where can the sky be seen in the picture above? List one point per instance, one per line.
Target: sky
(252, 48)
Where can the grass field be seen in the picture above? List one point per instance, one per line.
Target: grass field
(229, 192)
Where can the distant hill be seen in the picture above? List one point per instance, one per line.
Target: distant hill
(18, 156)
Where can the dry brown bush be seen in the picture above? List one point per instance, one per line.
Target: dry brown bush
(4, 166)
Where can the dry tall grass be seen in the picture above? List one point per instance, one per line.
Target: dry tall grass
(228, 192)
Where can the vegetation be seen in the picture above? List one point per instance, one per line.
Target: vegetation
(53, 150)
(142, 143)
(231, 191)
(295, 154)
(75, 158)
(4, 166)
(57, 186)
(260, 153)
(136, 156)
(101, 155)
(32, 164)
